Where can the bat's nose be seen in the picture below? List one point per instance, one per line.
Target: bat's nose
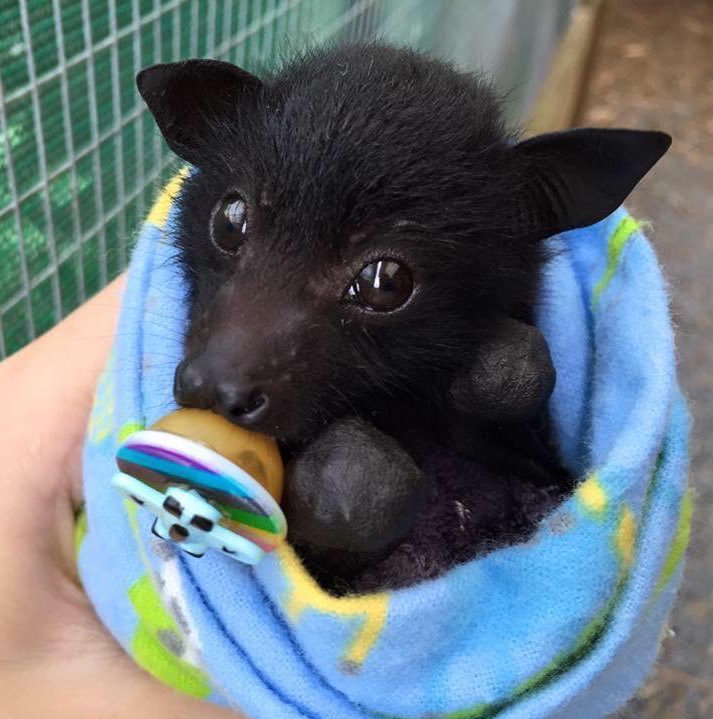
(242, 402)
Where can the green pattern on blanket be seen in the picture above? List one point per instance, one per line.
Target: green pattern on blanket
(625, 229)
(679, 544)
(157, 641)
(128, 429)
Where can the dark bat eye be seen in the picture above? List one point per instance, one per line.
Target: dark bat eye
(382, 285)
(229, 223)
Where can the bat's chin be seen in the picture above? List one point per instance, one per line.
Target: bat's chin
(298, 433)
(289, 428)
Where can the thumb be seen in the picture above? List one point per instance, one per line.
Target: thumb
(97, 685)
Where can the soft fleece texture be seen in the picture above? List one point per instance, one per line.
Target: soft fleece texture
(566, 625)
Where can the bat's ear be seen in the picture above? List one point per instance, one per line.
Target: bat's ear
(575, 178)
(190, 99)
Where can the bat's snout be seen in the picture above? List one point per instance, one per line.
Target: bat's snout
(197, 384)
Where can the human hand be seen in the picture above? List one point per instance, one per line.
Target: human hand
(56, 658)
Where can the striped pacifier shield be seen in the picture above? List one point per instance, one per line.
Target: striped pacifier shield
(200, 499)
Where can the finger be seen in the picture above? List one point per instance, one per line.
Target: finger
(46, 390)
(48, 386)
(103, 685)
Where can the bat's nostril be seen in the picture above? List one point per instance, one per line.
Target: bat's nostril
(255, 403)
(190, 387)
(252, 409)
(242, 405)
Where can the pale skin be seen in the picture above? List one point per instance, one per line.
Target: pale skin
(56, 659)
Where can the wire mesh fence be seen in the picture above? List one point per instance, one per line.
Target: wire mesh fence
(80, 157)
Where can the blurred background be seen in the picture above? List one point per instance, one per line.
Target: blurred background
(80, 160)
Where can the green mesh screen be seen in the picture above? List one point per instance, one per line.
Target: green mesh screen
(80, 158)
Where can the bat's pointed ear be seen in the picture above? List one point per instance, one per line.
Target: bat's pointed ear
(575, 178)
(189, 100)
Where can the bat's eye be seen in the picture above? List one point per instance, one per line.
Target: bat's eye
(382, 285)
(229, 224)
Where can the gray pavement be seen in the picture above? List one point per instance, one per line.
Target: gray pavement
(653, 68)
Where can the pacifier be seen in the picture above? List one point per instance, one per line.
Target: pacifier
(209, 483)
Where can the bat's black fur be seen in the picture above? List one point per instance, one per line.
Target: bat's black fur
(359, 141)
(345, 156)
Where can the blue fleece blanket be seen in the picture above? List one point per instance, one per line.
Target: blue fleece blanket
(565, 625)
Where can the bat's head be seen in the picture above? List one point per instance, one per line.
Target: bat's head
(357, 223)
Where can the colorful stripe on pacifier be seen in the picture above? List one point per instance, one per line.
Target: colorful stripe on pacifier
(161, 460)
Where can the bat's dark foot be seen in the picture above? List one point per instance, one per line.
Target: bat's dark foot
(497, 406)
(351, 496)
(510, 378)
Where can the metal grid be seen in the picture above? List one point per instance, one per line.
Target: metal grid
(80, 156)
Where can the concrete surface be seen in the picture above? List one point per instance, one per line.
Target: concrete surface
(653, 68)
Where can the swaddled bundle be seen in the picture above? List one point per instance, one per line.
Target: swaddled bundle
(565, 625)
